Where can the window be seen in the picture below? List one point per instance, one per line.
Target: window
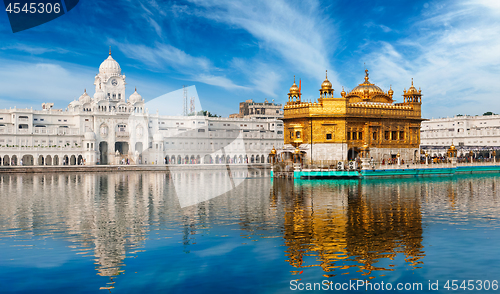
(298, 135)
(280, 132)
(401, 135)
(387, 135)
(394, 135)
(86, 119)
(374, 136)
(354, 135)
(328, 136)
(291, 134)
(360, 136)
(201, 130)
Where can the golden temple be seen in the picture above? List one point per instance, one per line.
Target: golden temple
(336, 129)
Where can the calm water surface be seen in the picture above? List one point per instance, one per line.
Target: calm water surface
(126, 233)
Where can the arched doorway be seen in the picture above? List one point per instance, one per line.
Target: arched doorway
(103, 149)
(6, 160)
(80, 160)
(27, 160)
(72, 161)
(55, 161)
(48, 160)
(41, 160)
(352, 154)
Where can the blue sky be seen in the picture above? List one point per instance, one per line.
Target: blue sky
(237, 50)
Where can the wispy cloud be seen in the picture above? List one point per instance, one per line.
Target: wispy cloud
(453, 56)
(300, 35)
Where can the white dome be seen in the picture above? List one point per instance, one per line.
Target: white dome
(75, 103)
(85, 98)
(99, 95)
(110, 66)
(135, 97)
(89, 136)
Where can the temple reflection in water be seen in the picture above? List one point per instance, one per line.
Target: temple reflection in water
(340, 227)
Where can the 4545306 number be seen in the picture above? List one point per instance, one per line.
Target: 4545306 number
(34, 8)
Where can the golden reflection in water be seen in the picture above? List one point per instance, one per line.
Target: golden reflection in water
(345, 224)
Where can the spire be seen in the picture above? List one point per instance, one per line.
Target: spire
(327, 74)
(136, 89)
(110, 50)
(366, 75)
(412, 81)
(294, 79)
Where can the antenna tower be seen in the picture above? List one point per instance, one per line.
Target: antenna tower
(185, 103)
(191, 105)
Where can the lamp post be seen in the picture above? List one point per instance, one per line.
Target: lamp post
(471, 154)
(494, 154)
(399, 158)
(426, 158)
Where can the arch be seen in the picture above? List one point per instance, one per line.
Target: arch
(191, 159)
(198, 159)
(41, 160)
(228, 159)
(186, 159)
(217, 159)
(262, 159)
(14, 160)
(172, 159)
(48, 160)
(72, 160)
(55, 160)
(207, 159)
(80, 160)
(257, 159)
(268, 159)
(6, 160)
(26, 160)
(246, 159)
(179, 160)
(65, 160)
(235, 159)
(252, 159)
(103, 149)
(352, 154)
(166, 159)
(240, 159)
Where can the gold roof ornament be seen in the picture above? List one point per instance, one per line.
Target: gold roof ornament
(412, 90)
(366, 87)
(294, 89)
(343, 92)
(390, 92)
(326, 85)
(297, 150)
(273, 151)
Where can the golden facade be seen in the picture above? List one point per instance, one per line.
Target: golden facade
(338, 127)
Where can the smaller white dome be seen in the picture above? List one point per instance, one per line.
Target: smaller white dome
(75, 103)
(99, 95)
(89, 136)
(85, 98)
(110, 66)
(135, 97)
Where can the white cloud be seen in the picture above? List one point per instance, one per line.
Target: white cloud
(300, 35)
(453, 55)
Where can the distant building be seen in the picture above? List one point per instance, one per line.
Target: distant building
(467, 133)
(265, 110)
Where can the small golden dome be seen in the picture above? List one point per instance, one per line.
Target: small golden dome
(273, 151)
(343, 92)
(297, 150)
(326, 85)
(412, 89)
(294, 89)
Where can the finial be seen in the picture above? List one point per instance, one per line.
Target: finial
(366, 72)
(85, 91)
(136, 89)
(294, 79)
(412, 81)
(110, 50)
(327, 74)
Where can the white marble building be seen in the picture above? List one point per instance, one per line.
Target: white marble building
(110, 129)
(467, 133)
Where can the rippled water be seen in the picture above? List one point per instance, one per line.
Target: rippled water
(127, 233)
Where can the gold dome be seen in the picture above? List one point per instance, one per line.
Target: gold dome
(297, 150)
(412, 89)
(273, 151)
(343, 92)
(366, 86)
(294, 89)
(326, 85)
